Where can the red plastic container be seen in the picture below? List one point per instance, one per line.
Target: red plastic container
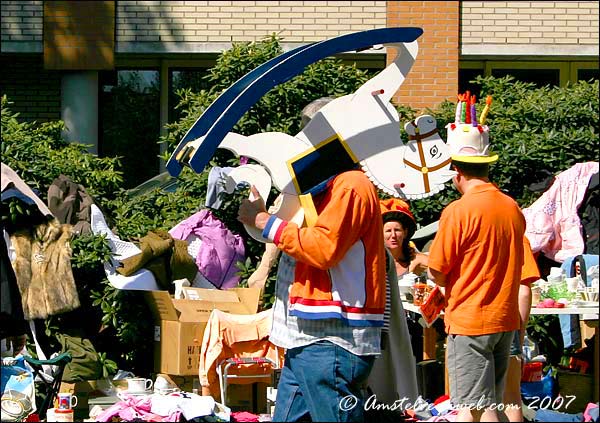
(533, 372)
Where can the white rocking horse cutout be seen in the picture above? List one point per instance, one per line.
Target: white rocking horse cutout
(427, 159)
(360, 130)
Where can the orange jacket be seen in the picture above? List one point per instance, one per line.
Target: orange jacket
(340, 270)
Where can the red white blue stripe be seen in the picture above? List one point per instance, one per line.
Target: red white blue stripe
(274, 228)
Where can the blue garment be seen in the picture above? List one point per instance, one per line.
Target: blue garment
(15, 193)
(543, 415)
(569, 323)
(323, 381)
(215, 186)
(515, 347)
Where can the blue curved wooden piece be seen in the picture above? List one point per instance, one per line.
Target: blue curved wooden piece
(216, 108)
(281, 71)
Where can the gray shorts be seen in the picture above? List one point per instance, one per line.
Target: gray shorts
(477, 368)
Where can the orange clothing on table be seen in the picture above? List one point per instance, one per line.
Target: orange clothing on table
(481, 254)
(235, 336)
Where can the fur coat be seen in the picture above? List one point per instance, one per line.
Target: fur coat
(43, 270)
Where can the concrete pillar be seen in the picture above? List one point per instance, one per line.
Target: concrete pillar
(79, 107)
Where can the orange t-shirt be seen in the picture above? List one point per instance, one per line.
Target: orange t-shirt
(480, 248)
(530, 272)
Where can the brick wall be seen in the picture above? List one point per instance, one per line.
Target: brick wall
(492, 22)
(34, 91)
(529, 22)
(22, 20)
(226, 21)
(434, 77)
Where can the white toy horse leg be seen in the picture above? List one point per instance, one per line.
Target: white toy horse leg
(392, 77)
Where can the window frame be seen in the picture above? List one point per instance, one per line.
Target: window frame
(567, 68)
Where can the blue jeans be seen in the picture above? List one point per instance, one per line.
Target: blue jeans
(323, 382)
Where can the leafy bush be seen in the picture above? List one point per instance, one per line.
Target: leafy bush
(39, 154)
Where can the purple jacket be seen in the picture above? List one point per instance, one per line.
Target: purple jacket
(221, 249)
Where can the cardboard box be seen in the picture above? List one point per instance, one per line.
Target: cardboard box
(251, 397)
(179, 324)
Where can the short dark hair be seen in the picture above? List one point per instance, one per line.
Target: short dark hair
(312, 108)
(475, 170)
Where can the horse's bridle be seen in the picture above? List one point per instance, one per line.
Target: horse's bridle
(423, 168)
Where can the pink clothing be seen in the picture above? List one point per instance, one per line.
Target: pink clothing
(236, 336)
(131, 408)
(243, 416)
(587, 414)
(220, 250)
(553, 226)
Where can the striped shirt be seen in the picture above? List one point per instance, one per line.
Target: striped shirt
(292, 332)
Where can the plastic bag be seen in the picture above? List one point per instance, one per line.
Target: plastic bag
(18, 390)
(547, 387)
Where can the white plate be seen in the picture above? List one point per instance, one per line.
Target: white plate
(149, 392)
(584, 304)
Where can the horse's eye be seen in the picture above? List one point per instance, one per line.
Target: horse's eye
(433, 151)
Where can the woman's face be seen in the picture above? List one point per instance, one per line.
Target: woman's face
(394, 234)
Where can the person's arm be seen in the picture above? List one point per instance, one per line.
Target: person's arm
(524, 308)
(438, 277)
(419, 264)
(529, 274)
(443, 252)
(347, 211)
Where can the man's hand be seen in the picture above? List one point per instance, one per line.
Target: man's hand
(438, 277)
(253, 212)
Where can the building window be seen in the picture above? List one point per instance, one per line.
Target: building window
(185, 78)
(587, 74)
(539, 77)
(465, 76)
(129, 124)
(539, 72)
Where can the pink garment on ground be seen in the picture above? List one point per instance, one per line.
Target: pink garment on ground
(243, 416)
(130, 408)
(235, 336)
(586, 414)
(553, 226)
